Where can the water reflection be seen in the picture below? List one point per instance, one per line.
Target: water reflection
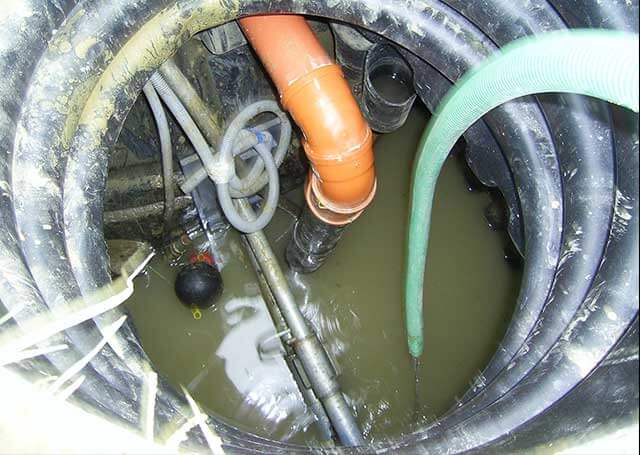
(267, 386)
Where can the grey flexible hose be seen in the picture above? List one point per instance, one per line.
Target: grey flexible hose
(218, 169)
(269, 207)
(210, 123)
(269, 162)
(255, 179)
(165, 149)
(247, 141)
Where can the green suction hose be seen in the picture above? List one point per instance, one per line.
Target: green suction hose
(602, 64)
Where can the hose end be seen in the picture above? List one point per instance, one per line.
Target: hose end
(416, 346)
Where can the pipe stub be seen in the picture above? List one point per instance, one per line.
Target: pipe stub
(387, 93)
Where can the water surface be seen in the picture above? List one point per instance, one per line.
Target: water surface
(355, 304)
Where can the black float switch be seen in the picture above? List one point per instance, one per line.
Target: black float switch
(199, 284)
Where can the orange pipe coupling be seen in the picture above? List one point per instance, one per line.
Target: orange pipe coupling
(337, 139)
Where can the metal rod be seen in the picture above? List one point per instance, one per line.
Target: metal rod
(324, 424)
(308, 348)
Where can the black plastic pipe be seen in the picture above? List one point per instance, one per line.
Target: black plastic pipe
(437, 34)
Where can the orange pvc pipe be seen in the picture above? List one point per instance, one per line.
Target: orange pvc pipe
(337, 139)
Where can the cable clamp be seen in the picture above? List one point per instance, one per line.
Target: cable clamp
(221, 171)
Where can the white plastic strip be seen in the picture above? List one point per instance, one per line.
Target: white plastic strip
(43, 326)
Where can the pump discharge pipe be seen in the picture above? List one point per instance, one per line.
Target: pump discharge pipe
(307, 346)
(337, 139)
(602, 64)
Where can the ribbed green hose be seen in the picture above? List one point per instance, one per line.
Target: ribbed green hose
(603, 64)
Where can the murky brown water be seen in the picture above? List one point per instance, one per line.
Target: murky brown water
(355, 303)
(392, 87)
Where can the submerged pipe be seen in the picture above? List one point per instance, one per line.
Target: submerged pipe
(308, 348)
(337, 139)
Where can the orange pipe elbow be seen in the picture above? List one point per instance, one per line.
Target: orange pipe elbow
(337, 139)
